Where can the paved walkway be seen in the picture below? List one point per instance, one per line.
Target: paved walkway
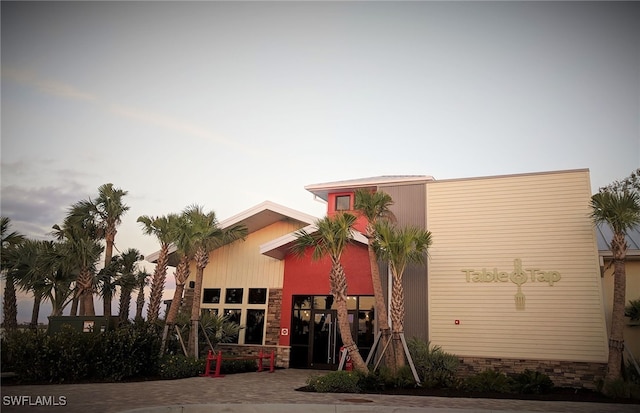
(242, 393)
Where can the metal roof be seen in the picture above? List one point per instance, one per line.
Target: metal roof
(604, 235)
(322, 190)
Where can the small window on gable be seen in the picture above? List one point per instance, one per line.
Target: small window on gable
(343, 202)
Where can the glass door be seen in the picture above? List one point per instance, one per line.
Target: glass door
(325, 339)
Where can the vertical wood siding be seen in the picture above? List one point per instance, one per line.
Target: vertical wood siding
(240, 265)
(409, 209)
(542, 219)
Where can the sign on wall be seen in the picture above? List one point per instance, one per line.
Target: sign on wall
(518, 276)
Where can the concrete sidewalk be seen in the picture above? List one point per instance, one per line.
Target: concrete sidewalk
(257, 393)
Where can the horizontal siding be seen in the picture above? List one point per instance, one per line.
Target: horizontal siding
(240, 265)
(488, 223)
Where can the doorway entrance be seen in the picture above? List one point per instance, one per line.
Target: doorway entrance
(315, 336)
(326, 340)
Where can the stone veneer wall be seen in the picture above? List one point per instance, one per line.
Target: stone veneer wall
(274, 309)
(563, 373)
(249, 350)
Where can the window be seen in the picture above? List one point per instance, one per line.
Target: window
(233, 315)
(257, 295)
(255, 327)
(211, 295)
(343, 202)
(233, 296)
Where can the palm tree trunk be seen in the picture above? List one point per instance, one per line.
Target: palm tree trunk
(35, 313)
(157, 284)
(108, 254)
(195, 313)
(173, 313)
(85, 282)
(380, 306)
(74, 302)
(338, 282)
(9, 305)
(616, 337)
(125, 304)
(397, 320)
(140, 303)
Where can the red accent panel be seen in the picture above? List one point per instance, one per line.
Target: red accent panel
(305, 276)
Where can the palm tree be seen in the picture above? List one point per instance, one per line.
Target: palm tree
(330, 239)
(400, 246)
(80, 235)
(55, 262)
(374, 206)
(183, 241)
(161, 228)
(8, 241)
(30, 275)
(621, 211)
(127, 263)
(142, 280)
(207, 236)
(107, 211)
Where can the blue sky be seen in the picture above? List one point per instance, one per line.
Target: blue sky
(228, 104)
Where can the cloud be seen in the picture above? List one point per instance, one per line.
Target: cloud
(47, 86)
(33, 211)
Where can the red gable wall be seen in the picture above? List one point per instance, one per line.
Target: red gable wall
(305, 276)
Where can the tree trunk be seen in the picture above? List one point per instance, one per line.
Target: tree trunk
(157, 284)
(173, 313)
(140, 303)
(397, 320)
(195, 313)
(380, 306)
(338, 283)
(616, 337)
(35, 313)
(9, 305)
(74, 303)
(125, 304)
(347, 337)
(108, 253)
(85, 283)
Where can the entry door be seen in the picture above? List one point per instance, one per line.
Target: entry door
(325, 339)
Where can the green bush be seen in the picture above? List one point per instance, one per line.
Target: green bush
(237, 366)
(129, 351)
(489, 381)
(335, 382)
(179, 367)
(73, 356)
(435, 367)
(532, 382)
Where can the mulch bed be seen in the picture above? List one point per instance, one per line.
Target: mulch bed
(556, 394)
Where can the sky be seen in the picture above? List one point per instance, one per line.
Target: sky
(229, 104)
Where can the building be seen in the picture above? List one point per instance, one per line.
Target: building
(513, 279)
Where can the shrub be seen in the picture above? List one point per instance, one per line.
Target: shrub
(489, 381)
(237, 366)
(435, 367)
(532, 382)
(180, 367)
(72, 356)
(335, 382)
(128, 351)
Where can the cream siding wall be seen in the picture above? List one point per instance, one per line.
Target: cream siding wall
(487, 223)
(240, 265)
